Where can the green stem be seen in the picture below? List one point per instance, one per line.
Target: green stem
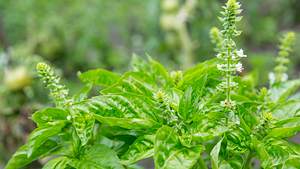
(202, 164)
(228, 77)
(187, 57)
(247, 161)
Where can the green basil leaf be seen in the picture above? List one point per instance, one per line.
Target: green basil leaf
(131, 111)
(48, 116)
(285, 128)
(215, 155)
(83, 123)
(170, 154)
(283, 90)
(187, 105)
(41, 134)
(98, 157)
(292, 163)
(21, 159)
(262, 152)
(83, 93)
(142, 148)
(57, 163)
(159, 70)
(99, 77)
(128, 123)
(205, 68)
(286, 110)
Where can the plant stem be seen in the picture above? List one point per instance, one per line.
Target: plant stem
(228, 77)
(202, 164)
(247, 161)
(187, 58)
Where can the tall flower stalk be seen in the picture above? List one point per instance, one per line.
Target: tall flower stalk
(228, 54)
(285, 48)
(174, 22)
(58, 92)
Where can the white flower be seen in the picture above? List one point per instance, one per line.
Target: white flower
(284, 77)
(219, 56)
(272, 78)
(229, 104)
(239, 67)
(220, 67)
(69, 118)
(240, 53)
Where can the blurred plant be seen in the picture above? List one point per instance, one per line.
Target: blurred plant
(18, 94)
(174, 21)
(282, 60)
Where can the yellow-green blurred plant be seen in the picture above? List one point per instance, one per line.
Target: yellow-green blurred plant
(285, 48)
(174, 20)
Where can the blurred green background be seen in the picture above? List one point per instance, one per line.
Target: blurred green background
(76, 35)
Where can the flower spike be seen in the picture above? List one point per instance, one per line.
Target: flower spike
(285, 48)
(228, 54)
(58, 92)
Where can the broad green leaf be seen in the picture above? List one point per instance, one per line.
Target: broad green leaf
(285, 128)
(186, 105)
(42, 134)
(99, 77)
(152, 70)
(83, 123)
(128, 123)
(170, 154)
(142, 148)
(98, 157)
(215, 155)
(286, 110)
(116, 144)
(133, 82)
(49, 116)
(261, 151)
(127, 111)
(283, 90)
(57, 163)
(21, 159)
(83, 93)
(279, 152)
(292, 163)
(159, 70)
(191, 75)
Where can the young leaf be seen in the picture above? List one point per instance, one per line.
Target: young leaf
(83, 93)
(215, 155)
(83, 123)
(99, 77)
(49, 116)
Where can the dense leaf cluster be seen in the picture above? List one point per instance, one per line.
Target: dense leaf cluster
(174, 117)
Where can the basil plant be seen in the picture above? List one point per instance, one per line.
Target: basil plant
(204, 117)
